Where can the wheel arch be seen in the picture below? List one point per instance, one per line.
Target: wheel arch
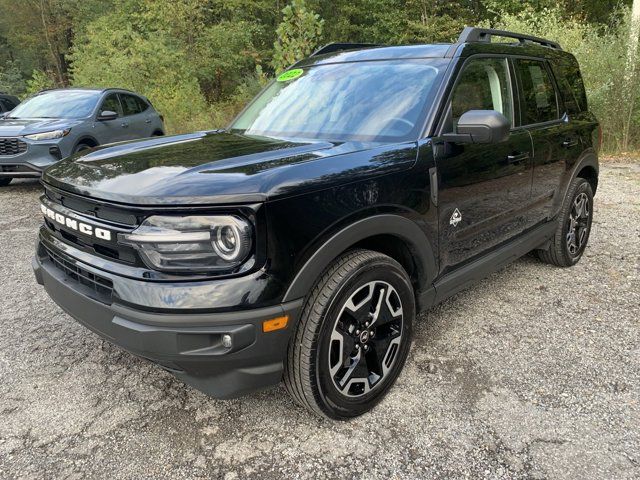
(393, 235)
(87, 140)
(587, 167)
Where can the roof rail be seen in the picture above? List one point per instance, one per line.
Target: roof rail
(474, 34)
(340, 47)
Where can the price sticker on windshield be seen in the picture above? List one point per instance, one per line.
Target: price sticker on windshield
(290, 75)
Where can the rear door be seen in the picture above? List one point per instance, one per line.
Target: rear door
(484, 191)
(556, 143)
(138, 125)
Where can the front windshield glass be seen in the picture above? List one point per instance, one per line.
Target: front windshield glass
(57, 104)
(363, 101)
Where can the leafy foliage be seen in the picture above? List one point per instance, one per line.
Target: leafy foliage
(298, 35)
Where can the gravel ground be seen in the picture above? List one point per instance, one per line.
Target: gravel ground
(533, 373)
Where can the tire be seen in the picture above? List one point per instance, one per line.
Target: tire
(335, 367)
(5, 181)
(81, 147)
(573, 226)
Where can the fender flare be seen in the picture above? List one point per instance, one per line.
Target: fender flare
(589, 159)
(386, 224)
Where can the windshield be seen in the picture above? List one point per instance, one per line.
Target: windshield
(58, 104)
(363, 101)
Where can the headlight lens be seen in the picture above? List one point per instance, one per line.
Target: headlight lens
(192, 243)
(49, 135)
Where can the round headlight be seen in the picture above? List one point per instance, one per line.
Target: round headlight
(227, 243)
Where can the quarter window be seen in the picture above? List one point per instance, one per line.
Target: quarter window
(483, 85)
(539, 102)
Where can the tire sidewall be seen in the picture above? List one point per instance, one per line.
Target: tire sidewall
(335, 402)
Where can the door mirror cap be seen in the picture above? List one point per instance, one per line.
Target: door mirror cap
(481, 126)
(107, 115)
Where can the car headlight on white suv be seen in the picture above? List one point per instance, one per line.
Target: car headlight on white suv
(52, 135)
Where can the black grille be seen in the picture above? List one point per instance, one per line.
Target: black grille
(100, 288)
(12, 146)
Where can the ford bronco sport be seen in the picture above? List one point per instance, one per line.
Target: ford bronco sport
(362, 186)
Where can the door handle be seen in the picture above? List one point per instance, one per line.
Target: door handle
(518, 157)
(124, 124)
(568, 143)
(147, 120)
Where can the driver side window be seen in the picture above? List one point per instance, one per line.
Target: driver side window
(112, 104)
(482, 85)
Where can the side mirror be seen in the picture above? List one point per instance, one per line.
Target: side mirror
(106, 115)
(481, 126)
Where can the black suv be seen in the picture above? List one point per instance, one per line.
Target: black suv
(363, 185)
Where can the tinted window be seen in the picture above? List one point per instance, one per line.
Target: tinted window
(363, 101)
(130, 105)
(58, 104)
(112, 104)
(142, 105)
(539, 102)
(483, 85)
(6, 105)
(567, 73)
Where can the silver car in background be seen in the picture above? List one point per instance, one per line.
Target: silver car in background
(54, 124)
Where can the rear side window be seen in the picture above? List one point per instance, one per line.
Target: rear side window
(483, 85)
(569, 78)
(142, 105)
(539, 100)
(112, 104)
(131, 105)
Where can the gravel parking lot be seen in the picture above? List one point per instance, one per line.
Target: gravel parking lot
(533, 373)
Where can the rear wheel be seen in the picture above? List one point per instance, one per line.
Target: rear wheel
(5, 181)
(353, 336)
(574, 226)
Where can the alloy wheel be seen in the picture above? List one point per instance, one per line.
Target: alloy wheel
(365, 339)
(578, 224)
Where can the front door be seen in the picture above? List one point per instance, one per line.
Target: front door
(484, 192)
(110, 131)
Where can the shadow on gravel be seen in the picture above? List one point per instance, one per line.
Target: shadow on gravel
(22, 186)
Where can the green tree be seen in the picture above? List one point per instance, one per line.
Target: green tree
(298, 35)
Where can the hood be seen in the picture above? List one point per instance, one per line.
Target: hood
(15, 127)
(212, 167)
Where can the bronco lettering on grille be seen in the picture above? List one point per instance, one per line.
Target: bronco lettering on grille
(72, 224)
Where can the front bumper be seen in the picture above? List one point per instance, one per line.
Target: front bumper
(30, 164)
(187, 344)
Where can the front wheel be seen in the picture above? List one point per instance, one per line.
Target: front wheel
(81, 147)
(573, 227)
(353, 336)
